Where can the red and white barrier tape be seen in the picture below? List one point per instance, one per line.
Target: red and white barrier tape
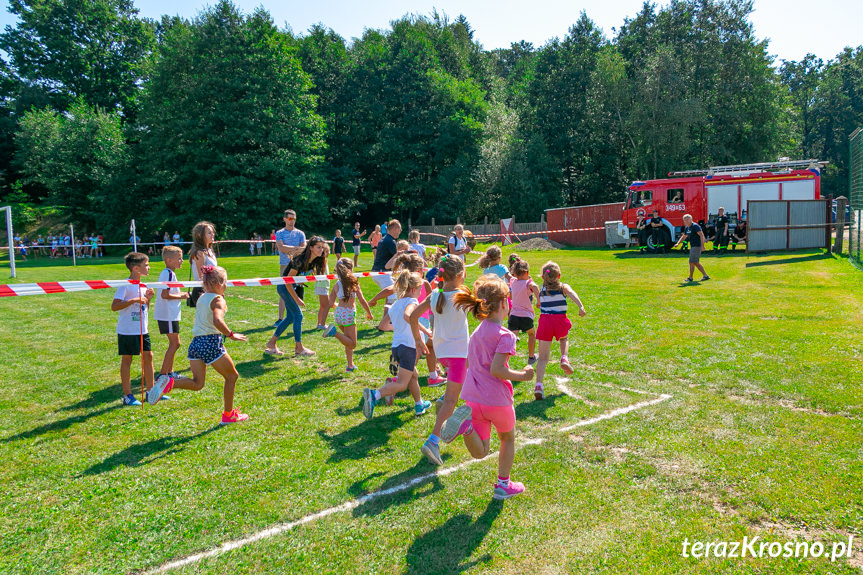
(41, 288)
(497, 235)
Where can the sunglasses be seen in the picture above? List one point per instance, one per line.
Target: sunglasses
(290, 217)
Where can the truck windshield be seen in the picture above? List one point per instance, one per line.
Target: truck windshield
(639, 198)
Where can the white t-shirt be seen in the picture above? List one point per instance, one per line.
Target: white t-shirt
(129, 319)
(457, 244)
(167, 309)
(420, 249)
(451, 332)
(402, 334)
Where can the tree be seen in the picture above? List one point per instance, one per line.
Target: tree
(90, 50)
(228, 128)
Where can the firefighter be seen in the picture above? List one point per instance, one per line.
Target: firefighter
(720, 244)
(739, 236)
(641, 226)
(656, 226)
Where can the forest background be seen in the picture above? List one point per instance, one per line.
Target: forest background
(106, 116)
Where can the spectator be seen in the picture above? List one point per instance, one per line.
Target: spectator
(720, 244)
(739, 236)
(693, 233)
(290, 242)
(656, 227)
(457, 244)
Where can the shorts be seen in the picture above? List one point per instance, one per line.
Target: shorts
(131, 344)
(357, 250)
(694, 254)
(322, 287)
(345, 316)
(406, 357)
(553, 326)
(207, 348)
(456, 368)
(483, 416)
(519, 323)
(385, 282)
(166, 327)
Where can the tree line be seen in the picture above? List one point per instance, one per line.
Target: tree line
(112, 116)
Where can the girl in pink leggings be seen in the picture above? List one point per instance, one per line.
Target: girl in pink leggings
(487, 388)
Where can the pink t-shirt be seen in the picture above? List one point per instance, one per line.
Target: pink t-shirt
(521, 304)
(422, 298)
(481, 386)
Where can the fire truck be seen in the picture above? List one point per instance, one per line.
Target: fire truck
(700, 193)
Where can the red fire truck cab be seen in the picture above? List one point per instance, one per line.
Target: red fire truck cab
(700, 193)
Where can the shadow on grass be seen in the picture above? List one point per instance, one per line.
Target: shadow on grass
(794, 260)
(308, 385)
(359, 441)
(97, 398)
(537, 409)
(446, 549)
(63, 424)
(422, 473)
(256, 367)
(144, 453)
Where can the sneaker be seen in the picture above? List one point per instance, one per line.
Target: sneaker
(233, 416)
(330, 331)
(514, 488)
(368, 402)
(531, 360)
(457, 424)
(705, 278)
(538, 393)
(422, 407)
(436, 381)
(351, 368)
(438, 404)
(163, 384)
(566, 366)
(278, 321)
(687, 280)
(432, 452)
(319, 326)
(130, 400)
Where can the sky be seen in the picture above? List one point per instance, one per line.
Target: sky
(793, 27)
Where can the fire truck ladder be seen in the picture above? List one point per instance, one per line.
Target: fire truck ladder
(745, 169)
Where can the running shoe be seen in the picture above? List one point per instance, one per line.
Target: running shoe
(432, 452)
(436, 381)
(130, 400)
(163, 384)
(233, 416)
(566, 366)
(538, 393)
(531, 360)
(330, 331)
(422, 407)
(457, 424)
(368, 402)
(514, 488)
(394, 365)
(351, 368)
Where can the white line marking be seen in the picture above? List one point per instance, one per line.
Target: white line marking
(607, 385)
(354, 503)
(617, 412)
(566, 391)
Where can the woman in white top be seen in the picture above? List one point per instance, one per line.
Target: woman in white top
(457, 244)
(202, 254)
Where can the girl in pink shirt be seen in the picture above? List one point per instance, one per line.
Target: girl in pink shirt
(523, 290)
(487, 388)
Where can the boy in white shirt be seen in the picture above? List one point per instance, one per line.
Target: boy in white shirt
(169, 305)
(133, 301)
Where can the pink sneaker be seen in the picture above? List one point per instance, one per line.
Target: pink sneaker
(514, 488)
(233, 416)
(436, 381)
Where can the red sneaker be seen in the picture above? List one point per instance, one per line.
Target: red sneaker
(233, 416)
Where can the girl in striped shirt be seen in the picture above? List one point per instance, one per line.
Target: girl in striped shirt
(553, 323)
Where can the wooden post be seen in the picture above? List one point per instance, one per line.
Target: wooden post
(841, 203)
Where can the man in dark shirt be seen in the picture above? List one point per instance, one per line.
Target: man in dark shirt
(338, 245)
(693, 233)
(720, 244)
(356, 241)
(656, 226)
(641, 226)
(739, 234)
(386, 250)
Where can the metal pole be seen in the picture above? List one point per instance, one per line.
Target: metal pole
(10, 237)
(74, 246)
(134, 237)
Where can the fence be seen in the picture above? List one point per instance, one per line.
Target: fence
(445, 231)
(855, 197)
(593, 216)
(788, 225)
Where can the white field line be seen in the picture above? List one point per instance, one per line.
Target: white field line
(566, 391)
(607, 385)
(354, 503)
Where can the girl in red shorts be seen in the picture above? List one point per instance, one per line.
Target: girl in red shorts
(553, 323)
(487, 388)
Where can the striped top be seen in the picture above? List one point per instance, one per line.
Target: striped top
(552, 302)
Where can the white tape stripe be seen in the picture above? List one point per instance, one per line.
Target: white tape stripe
(354, 503)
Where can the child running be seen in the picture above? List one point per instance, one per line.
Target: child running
(322, 290)
(524, 291)
(133, 301)
(490, 262)
(347, 290)
(487, 388)
(207, 347)
(451, 335)
(553, 323)
(169, 308)
(407, 286)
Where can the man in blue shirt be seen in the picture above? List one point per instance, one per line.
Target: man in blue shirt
(289, 242)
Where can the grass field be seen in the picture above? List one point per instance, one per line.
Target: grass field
(762, 435)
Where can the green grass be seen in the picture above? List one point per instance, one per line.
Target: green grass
(761, 438)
